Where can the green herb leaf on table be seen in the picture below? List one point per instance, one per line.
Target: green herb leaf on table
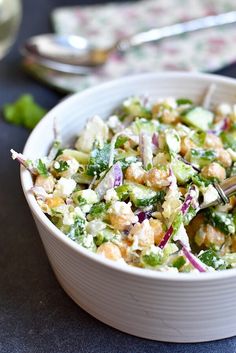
(24, 112)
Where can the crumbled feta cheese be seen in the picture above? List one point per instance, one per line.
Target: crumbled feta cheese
(89, 196)
(210, 194)
(168, 101)
(111, 195)
(86, 208)
(56, 165)
(166, 268)
(223, 109)
(72, 169)
(64, 187)
(182, 236)
(115, 124)
(78, 212)
(95, 130)
(153, 250)
(88, 241)
(68, 218)
(95, 226)
(120, 207)
(136, 170)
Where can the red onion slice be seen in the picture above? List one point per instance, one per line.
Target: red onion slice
(142, 215)
(155, 139)
(187, 202)
(222, 126)
(114, 177)
(166, 237)
(23, 161)
(192, 259)
(188, 163)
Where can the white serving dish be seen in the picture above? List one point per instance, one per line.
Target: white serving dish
(155, 305)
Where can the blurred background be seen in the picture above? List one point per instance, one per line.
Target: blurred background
(103, 23)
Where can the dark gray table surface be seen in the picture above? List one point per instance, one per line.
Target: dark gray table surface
(36, 316)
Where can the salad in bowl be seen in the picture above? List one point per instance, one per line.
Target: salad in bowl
(131, 186)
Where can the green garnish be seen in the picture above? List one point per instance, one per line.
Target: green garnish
(210, 258)
(120, 141)
(153, 259)
(42, 169)
(77, 230)
(98, 210)
(201, 157)
(99, 160)
(60, 166)
(221, 220)
(183, 101)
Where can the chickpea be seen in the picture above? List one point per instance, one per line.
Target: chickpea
(54, 202)
(224, 157)
(143, 233)
(156, 225)
(233, 244)
(182, 190)
(165, 109)
(207, 235)
(195, 225)
(223, 110)
(124, 249)
(232, 201)
(186, 145)
(214, 170)
(214, 236)
(47, 183)
(157, 178)
(156, 110)
(71, 166)
(135, 173)
(121, 216)
(161, 159)
(170, 117)
(110, 251)
(212, 141)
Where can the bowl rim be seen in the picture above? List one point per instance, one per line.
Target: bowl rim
(96, 259)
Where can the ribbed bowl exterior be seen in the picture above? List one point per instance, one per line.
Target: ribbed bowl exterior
(159, 306)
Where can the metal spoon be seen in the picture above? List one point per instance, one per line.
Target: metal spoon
(75, 50)
(226, 189)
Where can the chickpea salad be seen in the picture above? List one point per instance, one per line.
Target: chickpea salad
(129, 190)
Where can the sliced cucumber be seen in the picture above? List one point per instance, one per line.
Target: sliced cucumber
(229, 139)
(142, 196)
(198, 117)
(201, 157)
(182, 171)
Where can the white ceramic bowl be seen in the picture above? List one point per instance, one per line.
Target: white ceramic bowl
(160, 306)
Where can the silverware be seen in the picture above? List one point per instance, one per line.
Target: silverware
(226, 189)
(74, 50)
